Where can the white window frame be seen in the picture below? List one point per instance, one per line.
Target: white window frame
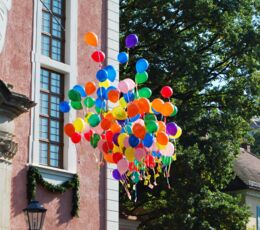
(70, 72)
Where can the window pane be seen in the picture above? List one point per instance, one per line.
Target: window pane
(43, 128)
(55, 131)
(56, 50)
(55, 109)
(46, 21)
(43, 153)
(55, 83)
(44, 79)
(44, 103)
(54, 155)
(57, 6)
(56, 28)
(47, 3)
(45, 45)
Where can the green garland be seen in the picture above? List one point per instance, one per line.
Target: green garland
(34, 177)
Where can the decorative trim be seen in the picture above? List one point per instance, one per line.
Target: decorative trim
(34, 177)
(8, 147)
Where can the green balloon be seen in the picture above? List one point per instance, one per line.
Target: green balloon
(128, 129)
(151, 126)
(175, 111)
(141, 77)
(145, 92)
(76, 105)
(149, 117)
(94, 120)
(94, 140)
(89, 102)
(98, 110)
(166, 160)
(74, 95)
(135, 177)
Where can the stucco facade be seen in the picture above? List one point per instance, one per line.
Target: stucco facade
(16, 60)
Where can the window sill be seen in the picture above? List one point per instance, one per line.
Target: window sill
(54, 175)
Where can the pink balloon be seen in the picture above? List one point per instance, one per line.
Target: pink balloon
(130, 83)
(123, 86)
(139, 154)
(126, 142)
(168, 150)
(139, 121)
(122, 166)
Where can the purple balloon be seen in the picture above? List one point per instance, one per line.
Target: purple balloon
(116, 174)
(171, 128)
(115, 137)
(131, 40)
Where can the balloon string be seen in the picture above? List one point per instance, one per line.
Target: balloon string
(128, 51)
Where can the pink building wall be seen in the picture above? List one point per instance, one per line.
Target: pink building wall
(16, 69)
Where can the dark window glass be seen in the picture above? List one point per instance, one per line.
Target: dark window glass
(53, 35)
(51, 119)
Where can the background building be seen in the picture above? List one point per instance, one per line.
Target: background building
(42, 55)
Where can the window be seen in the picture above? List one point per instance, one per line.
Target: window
(53, 35)
(51, 119)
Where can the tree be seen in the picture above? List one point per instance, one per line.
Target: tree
(207, 51)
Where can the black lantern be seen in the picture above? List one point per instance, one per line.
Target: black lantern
(35, 214)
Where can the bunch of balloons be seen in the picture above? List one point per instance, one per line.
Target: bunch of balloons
(127, 128)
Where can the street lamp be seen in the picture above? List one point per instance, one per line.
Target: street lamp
(35, 214)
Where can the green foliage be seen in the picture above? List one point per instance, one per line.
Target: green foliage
(34, 177)
(255, 148)
(208, 52)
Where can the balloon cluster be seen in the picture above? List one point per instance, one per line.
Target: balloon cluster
(128, 129)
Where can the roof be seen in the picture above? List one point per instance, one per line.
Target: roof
(247, 169)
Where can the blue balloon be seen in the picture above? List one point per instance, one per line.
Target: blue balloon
(141, 65)
(99, 103)
(81, 90)
(133, 141)
(123, 57)
(102, 75)
(155, 112)
(128, 128)
(130, 96)
(135, 118)
(64, 107)
(111, 73)
(101, 93)
(148, 140)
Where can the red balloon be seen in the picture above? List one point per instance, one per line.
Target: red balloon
(109, 136)
(88, 135)
(117, 157)
(166, 91)
(98, 56)
(149, 161)
(69, 129)
(132, 167)
(75, 138)
(107, 147)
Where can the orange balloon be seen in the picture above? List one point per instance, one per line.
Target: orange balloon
(105, 124)
(115, 127)
(113, 95)
(108, 157)
(139, 130)
(167, 109)
(157, 104)
(90, 87)
(144, 105)
(69, 129)
(109, 116)
(91, 39)
(132, 110)
(161, 126)
(162, 138)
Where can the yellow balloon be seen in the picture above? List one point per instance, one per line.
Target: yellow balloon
(174, 157)
(130, 154)
(116, 149)
(104, 84)
(119, 113)
(178, 134)
(160, 147)
(79, 124)
(122, 102)
(87, 116)
(121, 139)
